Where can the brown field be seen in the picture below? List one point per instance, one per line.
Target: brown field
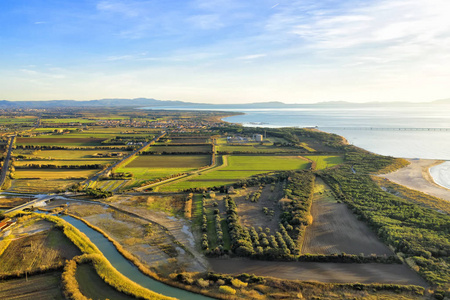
(183, 149)
(170, 161)
(251, 213)
(322, 272)
(335, 229)
(48, 248)
(188, 140)
(7, 202)
(37, 287)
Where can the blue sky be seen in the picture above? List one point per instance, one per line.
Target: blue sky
(225, 51)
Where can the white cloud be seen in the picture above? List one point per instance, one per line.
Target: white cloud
(252, 56)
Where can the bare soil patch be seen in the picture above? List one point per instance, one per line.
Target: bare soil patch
(335, 229)
(251, 213)
(322, 272)
(417, 177)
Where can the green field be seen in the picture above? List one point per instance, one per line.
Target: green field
(59, 140)
(325, 161)
(151, 167)
(240, 167)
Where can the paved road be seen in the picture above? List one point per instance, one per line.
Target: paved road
(6, 162)
(29, 204)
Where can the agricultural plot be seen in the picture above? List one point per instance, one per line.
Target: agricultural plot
(240, 167)
(41, 186)
(47, 180)
(37, 287)
(151, 167)
(263, 212)
(104, 154)
(49, 174)
(169, 148)
(80, 163)
(253, 147)
(58, 140)
(335, 229)
(188, 139)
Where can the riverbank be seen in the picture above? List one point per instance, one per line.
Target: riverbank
(417, 176)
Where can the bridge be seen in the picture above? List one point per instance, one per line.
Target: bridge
(31, 204)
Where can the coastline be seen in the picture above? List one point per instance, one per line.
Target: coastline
(418, 175)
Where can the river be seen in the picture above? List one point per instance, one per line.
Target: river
(125, 267)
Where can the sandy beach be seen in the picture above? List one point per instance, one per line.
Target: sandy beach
(417, 176)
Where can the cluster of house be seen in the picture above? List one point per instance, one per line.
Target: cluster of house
(6, 223)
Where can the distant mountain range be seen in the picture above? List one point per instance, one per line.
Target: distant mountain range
(153, 103)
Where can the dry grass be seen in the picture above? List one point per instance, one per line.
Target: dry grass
(42, 250)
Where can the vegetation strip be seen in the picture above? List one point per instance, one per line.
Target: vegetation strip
(104, 269)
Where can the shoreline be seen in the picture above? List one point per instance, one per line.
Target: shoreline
(416, 176)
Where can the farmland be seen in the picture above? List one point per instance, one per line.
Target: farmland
(335, 229)
(241, 167)
(300, 197)
(38, 287)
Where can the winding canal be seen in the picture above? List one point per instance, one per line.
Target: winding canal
(127, 268)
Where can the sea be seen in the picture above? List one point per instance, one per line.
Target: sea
(418, 131)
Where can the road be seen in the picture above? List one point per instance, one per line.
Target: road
(6, 162)
(29, 204)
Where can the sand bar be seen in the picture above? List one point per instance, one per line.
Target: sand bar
(416, 176)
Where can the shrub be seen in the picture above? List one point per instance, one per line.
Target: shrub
(227, 290)
(238, 284)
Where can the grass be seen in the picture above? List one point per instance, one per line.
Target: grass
(45, 249)
(239, 167)
(325, 161)
(92, 286)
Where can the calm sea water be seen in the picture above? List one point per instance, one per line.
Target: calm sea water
(410, 132)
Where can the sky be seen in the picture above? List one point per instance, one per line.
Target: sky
(225, 51)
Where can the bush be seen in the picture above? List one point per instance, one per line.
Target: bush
(238, 284)
(227, 290)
